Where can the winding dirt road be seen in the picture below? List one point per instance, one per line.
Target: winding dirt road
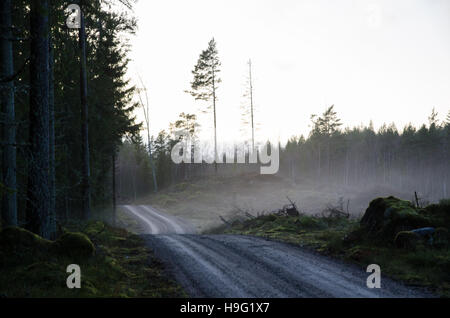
(243, 266)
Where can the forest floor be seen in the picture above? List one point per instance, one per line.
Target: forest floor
(121, 266)
(423, 267)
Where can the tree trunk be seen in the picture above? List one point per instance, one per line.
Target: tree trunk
(86, 172)
(251, 103)
(51, 172)
(38, 165)
(152, 164)
(114, 186)
(215, 125)
(9, 202)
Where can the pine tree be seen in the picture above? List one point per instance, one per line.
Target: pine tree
(38, 188)
(433, 118)
(205, 83)
(86, 169)
(9, 199)
(51, 111)
(324, 127)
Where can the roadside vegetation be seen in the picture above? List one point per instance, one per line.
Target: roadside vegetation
(384, 236)
(113, 262)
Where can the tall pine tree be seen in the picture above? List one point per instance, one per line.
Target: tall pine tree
(205, 83)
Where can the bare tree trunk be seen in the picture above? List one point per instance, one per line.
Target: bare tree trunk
(86, 172)
(215, 124)
(9, 202)
(149, 141)
(38, 191)
(251, 103)
(320, 174)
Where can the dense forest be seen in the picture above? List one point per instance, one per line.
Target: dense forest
(70, 143)
(65, 108)
(412, 159)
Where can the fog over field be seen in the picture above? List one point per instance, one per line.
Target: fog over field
(345, 167)
(204, 201)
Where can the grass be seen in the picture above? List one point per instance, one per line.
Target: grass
(343, 238)
(122, 266)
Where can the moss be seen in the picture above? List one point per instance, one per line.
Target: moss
(121, 267)
(75, 245)
(15, 237)
(385, 217)
(18, 246)
(310, 222)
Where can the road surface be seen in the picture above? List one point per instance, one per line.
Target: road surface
(243, 266)
(156, 222)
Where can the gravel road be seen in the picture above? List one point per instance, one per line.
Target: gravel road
(243, 266)
(156, 222)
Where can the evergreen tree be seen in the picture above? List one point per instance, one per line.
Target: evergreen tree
(85, 167)
(205, 83)
(38, 167)
(9, 198)
(38, 111)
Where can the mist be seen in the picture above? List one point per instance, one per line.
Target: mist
(331, 167)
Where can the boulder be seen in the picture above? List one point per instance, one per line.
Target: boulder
(18, 246)
(75, 245)
(385, 217)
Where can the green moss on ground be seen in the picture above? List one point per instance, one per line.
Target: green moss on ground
(113, 262)
(409, 259)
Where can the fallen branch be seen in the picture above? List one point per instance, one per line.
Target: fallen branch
(224, 221)
(250, 216)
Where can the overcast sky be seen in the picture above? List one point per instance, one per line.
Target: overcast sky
(386, 61)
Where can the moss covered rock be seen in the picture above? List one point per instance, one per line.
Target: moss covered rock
(385, 217)
(406, 240)
(15, 237)
(18, 245)
(76, 245)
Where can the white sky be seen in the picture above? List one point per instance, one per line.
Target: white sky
(386, 61)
